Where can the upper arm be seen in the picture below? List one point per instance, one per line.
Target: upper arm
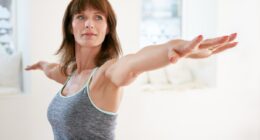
(121, 71)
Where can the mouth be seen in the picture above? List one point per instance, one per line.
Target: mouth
(89, 34)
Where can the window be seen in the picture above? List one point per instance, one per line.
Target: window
(7, 26)
(163, 20)
(160, 22)
(9, 57)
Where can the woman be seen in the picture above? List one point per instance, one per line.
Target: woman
(93, 74)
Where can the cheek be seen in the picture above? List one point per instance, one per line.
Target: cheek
(75, 27)
(105, 30)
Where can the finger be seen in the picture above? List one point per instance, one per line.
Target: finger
(232, 37)
(189, 47)
(223, 48)
(222, 45)
(33, 67)
(194, 43)
(213, 42)
(30, 68)
(197, 40)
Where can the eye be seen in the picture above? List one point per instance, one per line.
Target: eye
(99, 17)
(80, 17)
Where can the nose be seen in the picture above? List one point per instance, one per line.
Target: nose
(89, 24)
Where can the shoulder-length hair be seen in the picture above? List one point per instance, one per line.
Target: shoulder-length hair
(110, 47)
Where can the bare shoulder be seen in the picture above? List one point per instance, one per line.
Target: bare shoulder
(118, 72)
(101, 79)
(104, 69)
(121, 72)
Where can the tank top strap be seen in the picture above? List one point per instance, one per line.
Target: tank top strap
(69, 77)
(90, 77)
(67, 80)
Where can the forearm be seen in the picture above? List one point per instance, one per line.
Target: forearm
(151, 57)
(52, 71)
(47, 68)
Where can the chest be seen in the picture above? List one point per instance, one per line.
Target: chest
(76, 116)
(73, 86)
(100, 90)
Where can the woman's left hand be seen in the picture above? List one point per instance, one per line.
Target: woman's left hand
(199, 48)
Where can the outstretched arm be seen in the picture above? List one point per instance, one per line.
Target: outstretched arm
(123, 71)
(51, 70)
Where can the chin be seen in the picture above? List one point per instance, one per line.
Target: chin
(91, 45)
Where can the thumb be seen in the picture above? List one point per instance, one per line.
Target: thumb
(173, 56)
(192, 45)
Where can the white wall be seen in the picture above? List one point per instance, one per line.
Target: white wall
(241, 67)
(230, 112)
(128, 23)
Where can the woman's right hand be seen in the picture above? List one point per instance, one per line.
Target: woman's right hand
(36, 66)
(48, 68)
(51, 70)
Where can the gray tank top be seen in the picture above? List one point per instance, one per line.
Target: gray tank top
(76, 117)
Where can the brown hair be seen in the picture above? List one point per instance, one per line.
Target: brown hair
(110, 47)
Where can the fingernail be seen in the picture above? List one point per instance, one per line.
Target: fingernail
(234, 34)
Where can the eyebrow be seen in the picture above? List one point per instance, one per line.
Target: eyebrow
(95, 12)
(98, 12)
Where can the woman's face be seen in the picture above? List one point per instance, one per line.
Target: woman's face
(89, 28)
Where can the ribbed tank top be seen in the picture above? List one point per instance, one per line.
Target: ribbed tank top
(76, 117)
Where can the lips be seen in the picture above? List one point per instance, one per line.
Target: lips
(89, 34)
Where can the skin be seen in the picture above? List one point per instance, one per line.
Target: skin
(90, 28)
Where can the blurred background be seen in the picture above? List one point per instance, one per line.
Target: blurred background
(210, 99)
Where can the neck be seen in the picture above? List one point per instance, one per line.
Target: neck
(85, 57)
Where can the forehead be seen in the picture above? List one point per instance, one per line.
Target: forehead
(91, 11)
